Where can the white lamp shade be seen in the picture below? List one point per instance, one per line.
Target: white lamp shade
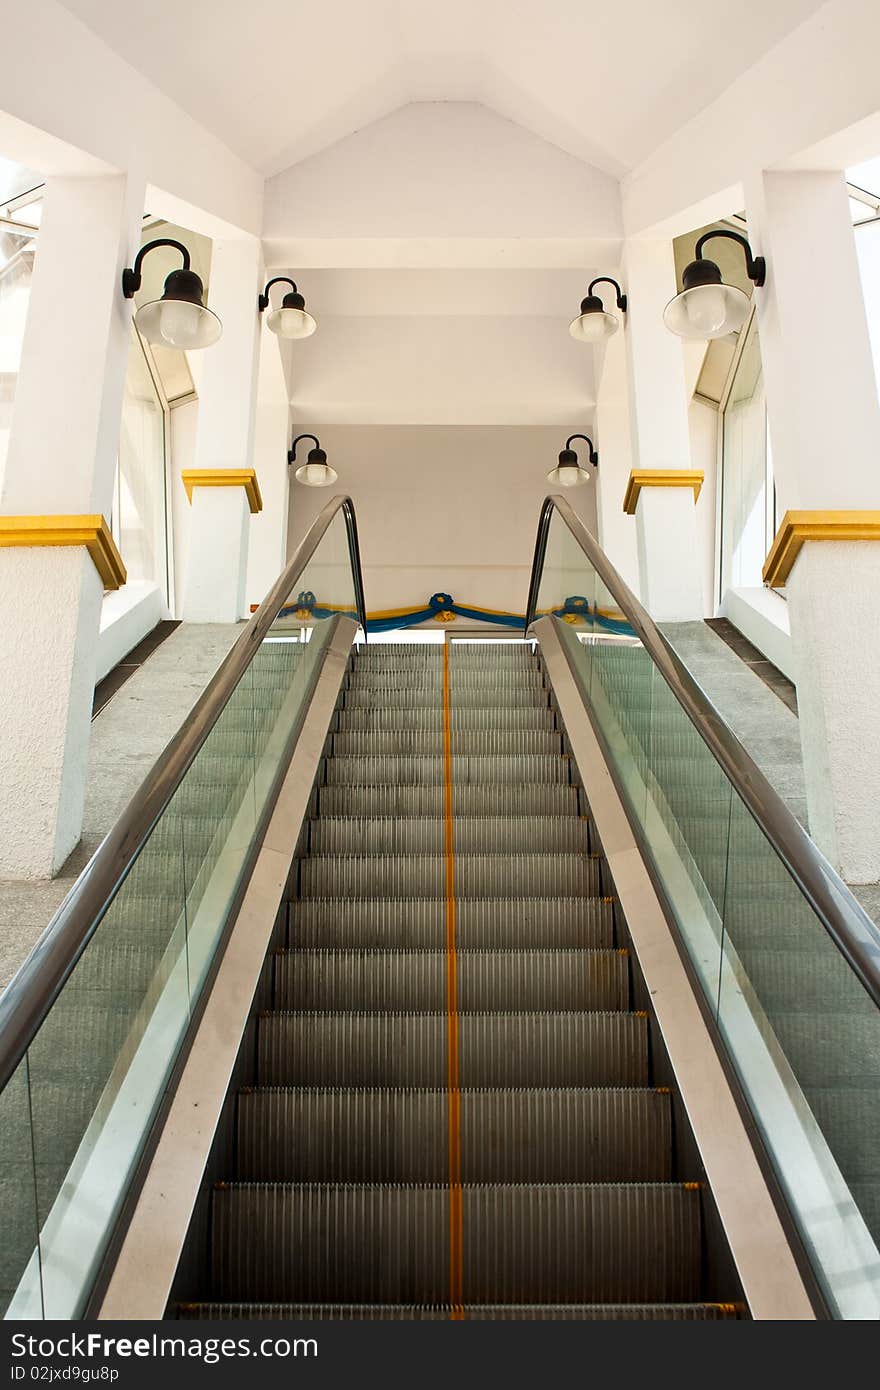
(178, 323)
(707, 311)
(594, 327)
(291, 323)
(316, 474)
(569, 475)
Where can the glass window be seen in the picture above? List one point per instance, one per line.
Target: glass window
(16, 270)
(748, 505)
(139, 520)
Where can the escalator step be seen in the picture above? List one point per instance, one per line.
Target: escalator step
(427, 835)
(487, 717)
(611, 1243)
(420, 697)
(332, 1135)
(473, 1312)
(479, 922)
(461, 679)
(408, 1049)
(471, 799)
(416, 980)
(476, 875)
(354, 769)
(483, 742)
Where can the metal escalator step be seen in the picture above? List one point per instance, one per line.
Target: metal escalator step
(357, 697)
(427, 834)
(484, 742)
(331, 1135)
(473, 1312)
(476, 875)
(353, 1243)
(479, 922)
(468, 717)
(413, 768)
(460, 679)
(410, 1049)
(469, 799)
(413, 980)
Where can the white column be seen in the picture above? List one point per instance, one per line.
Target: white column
(825, 431)
(617, 530)
(218, 546)
(225, 435)
(671, 583)
(61, 460)
(665, 508)
(815, 347)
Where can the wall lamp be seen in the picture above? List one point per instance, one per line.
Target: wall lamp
(593, 323)
(706, 307)
(290, 320)
(179, 319)
(568, 472)
(316, 471)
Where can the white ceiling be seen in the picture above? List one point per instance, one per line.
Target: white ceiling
(605, 80)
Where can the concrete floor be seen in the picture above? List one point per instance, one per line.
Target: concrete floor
(127, 737)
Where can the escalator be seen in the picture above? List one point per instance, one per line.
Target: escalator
(479, 981)
(452, 1108)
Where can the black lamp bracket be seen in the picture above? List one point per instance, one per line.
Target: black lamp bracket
(291, 453)
(756, 266)
(594, 455)
(131, 276)
(621, 297)
(263, 302)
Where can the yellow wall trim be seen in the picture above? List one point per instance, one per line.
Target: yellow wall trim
(90, 531)
(224, 477)
(798, 527)
(660, 477)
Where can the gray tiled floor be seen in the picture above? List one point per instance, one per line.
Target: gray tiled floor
(127, 737)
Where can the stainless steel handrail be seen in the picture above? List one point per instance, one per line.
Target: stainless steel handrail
(844, 919)
(36, 986)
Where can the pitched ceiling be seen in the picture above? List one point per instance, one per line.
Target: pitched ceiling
(605, 80)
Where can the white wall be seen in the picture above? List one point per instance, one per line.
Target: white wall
(428, 184)
(409, 369)
(441, 508)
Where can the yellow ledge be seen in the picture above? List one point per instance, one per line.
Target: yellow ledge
(90, 531)
(660, 477)
(798, 527)
(224, 477)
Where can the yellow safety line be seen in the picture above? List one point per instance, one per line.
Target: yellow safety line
(456, 1206)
